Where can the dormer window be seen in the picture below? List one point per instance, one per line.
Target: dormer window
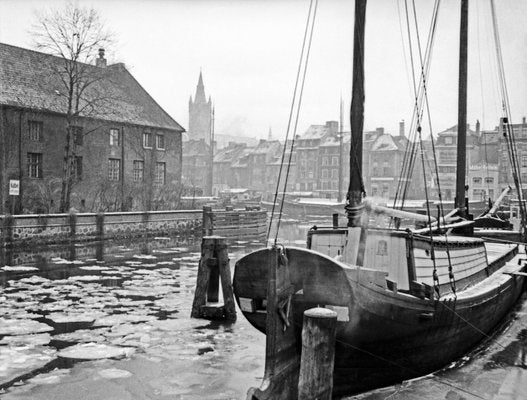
(115, 137)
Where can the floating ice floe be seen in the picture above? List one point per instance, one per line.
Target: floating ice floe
(95, 351)
(15, 362)
(84, 336)
(114, 373)
(51, 378)
(33, 340)
(65, 318)
(22, 327)
(35, 279)
(117, 319)
(144, 257)
(94, 268)
(20, 268)
(85, 278)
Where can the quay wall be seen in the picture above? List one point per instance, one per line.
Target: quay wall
(60, 228)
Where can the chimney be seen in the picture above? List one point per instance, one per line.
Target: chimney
(523, 121)
(101, 61)
(380, 130)
(401, 128)
(478, 128)
(333, 127)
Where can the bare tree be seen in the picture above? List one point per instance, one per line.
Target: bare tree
(75, 34)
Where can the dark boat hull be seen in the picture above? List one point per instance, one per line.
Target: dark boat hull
(390, 336)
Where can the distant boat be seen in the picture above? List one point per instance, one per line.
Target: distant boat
(409, 301)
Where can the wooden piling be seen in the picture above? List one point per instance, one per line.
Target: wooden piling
(72, 221)
(213, 267)
(318, 354)
(207, 221)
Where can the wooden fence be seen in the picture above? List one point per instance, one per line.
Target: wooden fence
(250, 223)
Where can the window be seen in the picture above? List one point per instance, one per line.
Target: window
(324, 173)
(449, 140)
(476, 179)
(489, 179)
(77, 168)
(160, 142)
(115, 137)
(34, 165)
(114, 169)
(160, 173)
(35, 131)
(335, 173)
(524, 160)
(334, 160)
(139, 168)
(77, 133)
(147, 140)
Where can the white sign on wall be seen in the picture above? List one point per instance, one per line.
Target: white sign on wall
(14, 187)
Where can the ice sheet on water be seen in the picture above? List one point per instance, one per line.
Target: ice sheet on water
(114, 373)
(22, 327)
(95, 351)
(20, 268)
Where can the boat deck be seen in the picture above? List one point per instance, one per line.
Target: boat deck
(498, 278)
(495, 251)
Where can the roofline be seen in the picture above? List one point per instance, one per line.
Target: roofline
(181, 129)
(148, 94)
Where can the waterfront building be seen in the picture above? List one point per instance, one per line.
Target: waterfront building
(127, 149)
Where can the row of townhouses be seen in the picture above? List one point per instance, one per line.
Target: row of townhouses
(320, 163)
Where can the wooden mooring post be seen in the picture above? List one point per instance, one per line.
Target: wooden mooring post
(315, 380)
(213, 267)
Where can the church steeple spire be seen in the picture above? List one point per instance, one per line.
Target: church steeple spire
(200, 91)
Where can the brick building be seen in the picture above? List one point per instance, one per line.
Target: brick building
(128, 149)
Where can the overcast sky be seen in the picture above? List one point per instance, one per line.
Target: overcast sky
(248, 51)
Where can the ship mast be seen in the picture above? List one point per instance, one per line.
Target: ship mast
(462, 114)
(356, 186)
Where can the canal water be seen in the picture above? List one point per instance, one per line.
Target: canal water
(111, 320)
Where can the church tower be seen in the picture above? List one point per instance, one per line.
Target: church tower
(200, 114)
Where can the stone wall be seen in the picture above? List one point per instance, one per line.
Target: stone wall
(59, 228)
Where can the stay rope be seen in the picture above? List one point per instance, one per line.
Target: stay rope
(308, 35)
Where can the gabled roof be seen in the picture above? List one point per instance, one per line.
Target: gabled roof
(228, 154)
(30, 79)
(387, 142)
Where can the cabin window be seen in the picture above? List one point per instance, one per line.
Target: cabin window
(382, 248)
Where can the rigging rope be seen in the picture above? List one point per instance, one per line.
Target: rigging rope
(508, 131)
(294, 100)
(297, 116)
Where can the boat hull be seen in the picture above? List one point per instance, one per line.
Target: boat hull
(383, 336)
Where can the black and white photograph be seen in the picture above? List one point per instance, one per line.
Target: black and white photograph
(263, 199)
